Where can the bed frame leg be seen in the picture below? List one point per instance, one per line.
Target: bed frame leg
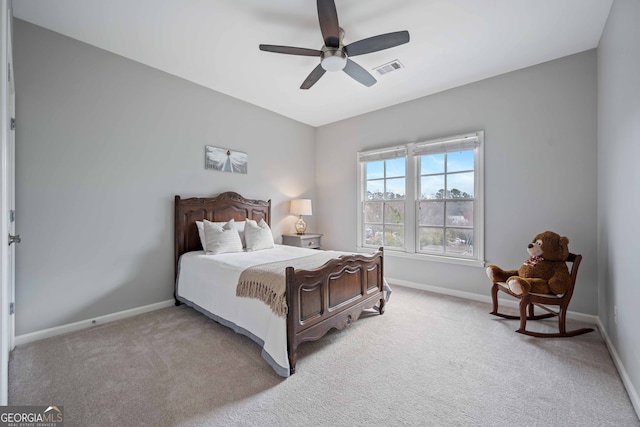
(381, 307)
(293, 358)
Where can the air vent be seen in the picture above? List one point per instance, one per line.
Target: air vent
(389, 67)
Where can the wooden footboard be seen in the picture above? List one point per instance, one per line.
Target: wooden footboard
(332, 296)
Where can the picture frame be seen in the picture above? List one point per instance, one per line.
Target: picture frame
(225, 159)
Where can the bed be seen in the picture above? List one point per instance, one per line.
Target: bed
(332, 295)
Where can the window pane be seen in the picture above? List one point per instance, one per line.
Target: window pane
(394, 213)
(395, 188)
(460, 241)
(431, 239)
(460, 214)
(394, 236)
(460, 185)
(373, 212)
(375, 169)
(431, 213)
(432, 187)
(373, 234)
(375, 190)
(384, 203)
(433, 163)
(460, 161)
(396, 167)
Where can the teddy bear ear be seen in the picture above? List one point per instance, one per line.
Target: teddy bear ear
(564, 240)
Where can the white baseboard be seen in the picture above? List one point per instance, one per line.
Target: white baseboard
(511, 302)
(83, 324)
(631, 390)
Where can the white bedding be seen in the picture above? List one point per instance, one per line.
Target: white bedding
(208, 283)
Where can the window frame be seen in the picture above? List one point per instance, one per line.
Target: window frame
(385, 202)
(389, 153)
(412, 153)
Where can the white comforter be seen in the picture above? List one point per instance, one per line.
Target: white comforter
(208, 283)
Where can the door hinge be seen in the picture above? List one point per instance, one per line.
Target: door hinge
(12, 308)
(12, 215)
(13, 123)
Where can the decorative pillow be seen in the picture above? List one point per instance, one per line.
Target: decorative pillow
(203, 242)
(220, 240)
(239, 226)
(258, 235)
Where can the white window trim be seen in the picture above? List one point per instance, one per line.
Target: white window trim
(411, 201)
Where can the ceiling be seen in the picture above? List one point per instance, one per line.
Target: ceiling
(214, 43)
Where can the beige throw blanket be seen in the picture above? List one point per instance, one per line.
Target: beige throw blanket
(267, 281)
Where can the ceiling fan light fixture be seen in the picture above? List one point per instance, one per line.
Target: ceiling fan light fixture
(333, 60)
(334, 54)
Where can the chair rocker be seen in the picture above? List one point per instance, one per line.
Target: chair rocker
(542, 301)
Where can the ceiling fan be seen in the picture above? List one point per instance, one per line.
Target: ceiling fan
(334, 55)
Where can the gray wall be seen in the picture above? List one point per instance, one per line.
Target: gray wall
(619, 184)
(540, 167)
(103, 145)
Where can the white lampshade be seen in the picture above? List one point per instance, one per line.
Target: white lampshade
(300, 207)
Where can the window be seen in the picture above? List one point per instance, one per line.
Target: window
(424, 199)
(384, 198)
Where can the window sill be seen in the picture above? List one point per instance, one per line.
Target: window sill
(426, 257)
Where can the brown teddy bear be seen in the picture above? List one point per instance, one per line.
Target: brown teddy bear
(544, 272)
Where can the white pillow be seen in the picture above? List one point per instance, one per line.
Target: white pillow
(239, 226)
(220, 240)
(258, 235)
(203, 242)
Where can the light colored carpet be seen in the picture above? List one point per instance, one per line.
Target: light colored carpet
(430, 360)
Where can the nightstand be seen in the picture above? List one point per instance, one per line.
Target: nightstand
(306, 240)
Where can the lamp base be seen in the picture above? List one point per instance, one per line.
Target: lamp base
(301, 226)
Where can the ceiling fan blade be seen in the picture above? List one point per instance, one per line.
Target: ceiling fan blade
(290, 50)
(358, 73)
(313, 77)
(328, 17)
(376, 43)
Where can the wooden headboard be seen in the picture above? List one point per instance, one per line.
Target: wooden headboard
(217, 209)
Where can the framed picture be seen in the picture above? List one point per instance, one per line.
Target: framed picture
(225, 160)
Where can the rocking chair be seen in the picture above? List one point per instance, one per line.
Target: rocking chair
(542, 300)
